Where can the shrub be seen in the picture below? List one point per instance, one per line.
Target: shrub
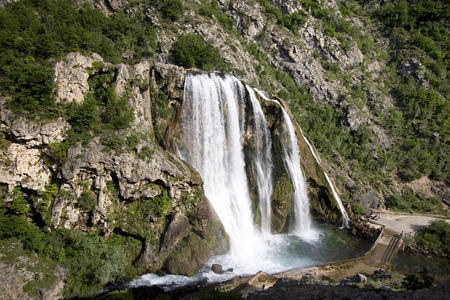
(87, 200)
(212, 8)
(20, 205)
(93, 263)
(117, 115)
(413, 282)
(435, 236)
(191, 50)
(172, 9)
(32, 32)
(34, 89)
(358, 209)
(132, 141)
(146, 153)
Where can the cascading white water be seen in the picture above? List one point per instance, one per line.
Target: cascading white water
(262, 163)
(212, 144)
(213, 133)
(345, 218)
(302, 225)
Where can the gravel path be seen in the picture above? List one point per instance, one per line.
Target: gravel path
(407, 223)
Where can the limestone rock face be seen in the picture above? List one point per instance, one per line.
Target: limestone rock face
(177, 229)
(135, 79)
(24, 167)
(71, 76)
(3, 3)
(108, 7)
(173, 76)
(22, 163)
(323, 205)
(32, 133)
(137, 183)
(23, 269)
(144, 192)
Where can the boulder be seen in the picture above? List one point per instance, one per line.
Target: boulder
(360, 278)
(177, 229)
(217, 268)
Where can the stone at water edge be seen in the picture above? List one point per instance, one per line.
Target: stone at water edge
(216, 268)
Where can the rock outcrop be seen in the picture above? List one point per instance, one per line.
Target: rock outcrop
(143, 192)
(72, 76)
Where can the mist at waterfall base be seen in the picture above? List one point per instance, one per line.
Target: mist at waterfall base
(213, 127)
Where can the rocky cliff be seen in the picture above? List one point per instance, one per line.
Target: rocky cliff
(143, 192)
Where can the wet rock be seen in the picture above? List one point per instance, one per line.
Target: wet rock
(217, 268)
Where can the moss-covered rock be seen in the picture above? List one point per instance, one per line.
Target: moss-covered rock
(208, 238)
(323, 205)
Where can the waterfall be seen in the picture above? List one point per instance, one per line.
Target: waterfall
(302, 224)
(262, 162)
(345, 218)
(213, 128)
(222, 131)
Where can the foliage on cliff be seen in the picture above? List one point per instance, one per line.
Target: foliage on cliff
(379, 121)
(34, 32)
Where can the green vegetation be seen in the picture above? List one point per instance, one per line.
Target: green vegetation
(408, 201)
(91, 259)
(101, 113)
(190, 50)
(435, 236)
(31, 32)
(171, 9)
(412, 282)
(36, 34)
(159, 206)
(290, 21)
(358, 209)
(422, 34)
(87, 200)
(211, 9)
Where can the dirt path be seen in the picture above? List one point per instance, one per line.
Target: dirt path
(405, 222)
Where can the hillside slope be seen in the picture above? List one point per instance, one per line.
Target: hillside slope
(90, 101)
